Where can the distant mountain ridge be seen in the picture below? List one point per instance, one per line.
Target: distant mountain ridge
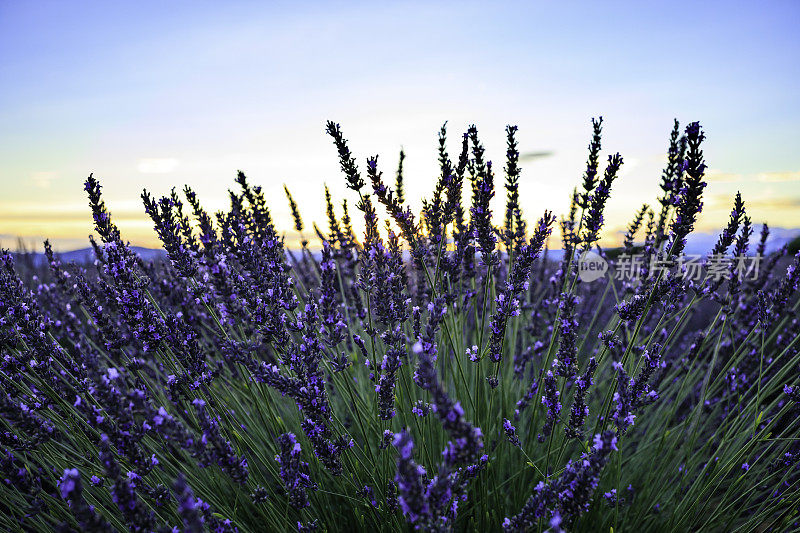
(698, 243)
(86, 255)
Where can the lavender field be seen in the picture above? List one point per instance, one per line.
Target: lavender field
(454, 369)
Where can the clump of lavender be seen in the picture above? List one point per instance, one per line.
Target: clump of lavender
(410, 479)
(482, 194)
(552, 402)
(507, 302)
(688, 201)
(189, 507)
(514, 225)
(592, 164)
(511, 433)
(596, 201)
(566, 497)
(71, 488)
(580, 410)
(294, 471)
(369, 380)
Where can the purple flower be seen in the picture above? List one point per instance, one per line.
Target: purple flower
(550, 399)
(511, 432)
(688, 200)
(71, 490)
(596, 201)
(294, 472)
(570, 493)
(68, 483)
(507, 303)
(580, 410)
(409, 479)
(189, 507)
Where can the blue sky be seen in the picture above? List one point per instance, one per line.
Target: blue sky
(158, 94)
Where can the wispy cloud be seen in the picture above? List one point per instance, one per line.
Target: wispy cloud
(720, 201)
(160, 165)
(715, 175)
(532, 156)
(776, 203)
(42, 180)
(779, 176)
(720, 176)
(63, 216)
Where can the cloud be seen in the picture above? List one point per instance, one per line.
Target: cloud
(42, 179)
(779, 176)
(775, 203)
(162, 165)
(531, 156)
(724, 201)
(64, 216)
(629, 166)
(719, 176)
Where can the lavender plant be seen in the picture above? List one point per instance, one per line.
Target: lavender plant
(438, 373)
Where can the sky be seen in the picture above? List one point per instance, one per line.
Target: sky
(156, 95)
